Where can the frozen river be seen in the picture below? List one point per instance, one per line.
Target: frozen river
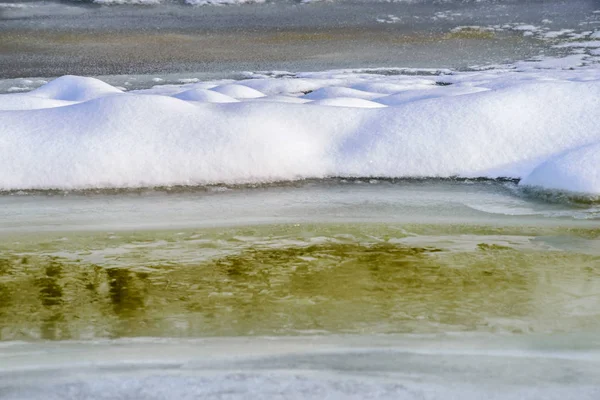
(221, 215)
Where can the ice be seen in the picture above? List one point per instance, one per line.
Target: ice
(79, 132)
(459, 366)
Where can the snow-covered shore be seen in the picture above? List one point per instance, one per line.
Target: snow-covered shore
(539, 125)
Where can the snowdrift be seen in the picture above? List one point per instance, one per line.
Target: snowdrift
(76, 133)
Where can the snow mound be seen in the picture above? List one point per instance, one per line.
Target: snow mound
(347, 102)
(573, 171)
(77, 133)
(24, 102)
(333, 91)
(384, 88)
(238, 91)
(279, 86)
(204, 95)
(281, 99)
(74, 88)
(431, 92)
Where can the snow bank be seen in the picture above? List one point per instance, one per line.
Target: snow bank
(333, 91)
(575, 170)
(238, 91)
(74, 88)
(204, 95)
(82, 133)
(348, 102)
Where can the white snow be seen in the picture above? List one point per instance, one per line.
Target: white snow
(74, 88)
(575, 170)
(14, 5)
(522, 122)
(348, 102)
(238, 91)
(204, 95)
(336, 91)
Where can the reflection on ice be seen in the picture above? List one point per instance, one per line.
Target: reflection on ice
(322, 279)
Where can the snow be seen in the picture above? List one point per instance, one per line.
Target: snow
(589, 43)
(575, 171)
(570, 61)
(523, 122)
(204, 95)
(74, 88)
(335, 91)
(238, 91)
(348, 102)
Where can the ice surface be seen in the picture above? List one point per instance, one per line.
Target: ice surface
(79, 132)
(316, 367)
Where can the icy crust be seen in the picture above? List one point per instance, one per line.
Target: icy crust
(79, 132)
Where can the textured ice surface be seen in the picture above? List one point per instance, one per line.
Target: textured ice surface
(336, 367)
(77, 132)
